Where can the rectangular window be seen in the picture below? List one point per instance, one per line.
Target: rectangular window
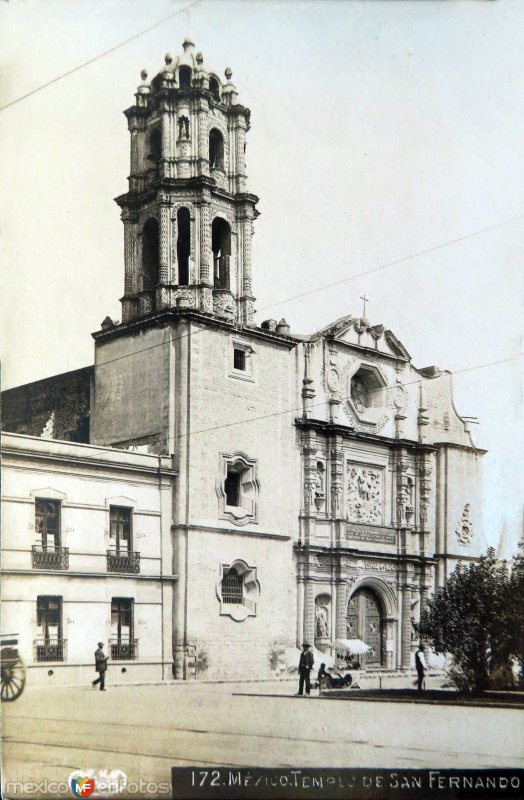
(49, 645)
(123, 645)
(239, 359)
(47, 523)
(120, 529)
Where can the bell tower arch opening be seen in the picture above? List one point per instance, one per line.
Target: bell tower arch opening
(216, 149)
(221, 246)
(183, 245)
(184, 77)
(214, 88)
(150, 255)
(155, 146)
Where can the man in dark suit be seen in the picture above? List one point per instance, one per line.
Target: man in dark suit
(100, 667)
(421, 666)
(305, 665)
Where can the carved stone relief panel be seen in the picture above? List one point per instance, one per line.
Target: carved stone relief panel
(464, 530)
(365, 493)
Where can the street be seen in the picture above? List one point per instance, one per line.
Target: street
(145, 730)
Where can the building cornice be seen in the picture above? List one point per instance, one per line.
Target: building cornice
(331, 429)
(68, 457)
(478, 451)
(284, 537)
(359, 553)
(93, 575)
(168, 316)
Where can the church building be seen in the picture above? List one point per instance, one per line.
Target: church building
(320, 485)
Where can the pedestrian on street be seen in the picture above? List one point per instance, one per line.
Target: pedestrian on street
(305, 665)
(420, 664)
(322, 676)
(100, 667)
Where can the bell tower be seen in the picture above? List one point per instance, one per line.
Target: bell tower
(188, 218)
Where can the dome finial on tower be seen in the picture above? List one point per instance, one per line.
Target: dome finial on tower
(187, 43)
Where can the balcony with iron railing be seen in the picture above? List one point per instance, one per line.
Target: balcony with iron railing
(124, 649)
(123, 561)
(50, 649)
(50, 557)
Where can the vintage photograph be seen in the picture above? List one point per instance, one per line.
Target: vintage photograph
(261, 412)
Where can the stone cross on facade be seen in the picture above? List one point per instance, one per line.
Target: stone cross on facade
(365, 300)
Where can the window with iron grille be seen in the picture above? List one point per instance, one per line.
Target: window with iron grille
(123, 646)
(232, 586)
(120, 529)
(239, 359)
(238, 590)
(49, 646)
(47, 523)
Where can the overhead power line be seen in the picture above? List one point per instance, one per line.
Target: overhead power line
(329, 285)
(100, 55)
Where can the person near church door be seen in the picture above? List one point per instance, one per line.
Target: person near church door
(421, 666)
(100, 667)
(305, 665)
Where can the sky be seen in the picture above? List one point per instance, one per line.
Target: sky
(383, 133)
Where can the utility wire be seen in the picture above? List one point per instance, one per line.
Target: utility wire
(328, 285)
(300, 408)
(100, 55)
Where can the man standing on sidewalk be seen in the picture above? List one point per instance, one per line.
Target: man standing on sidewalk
(305, 665)
(420, 664)
(100, 667)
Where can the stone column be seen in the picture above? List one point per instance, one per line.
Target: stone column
(165, 161)
(342, 595)
(165, 226)
(337, 476)
(309, 612)
(205, 243)
(129, 238)
(405, 646)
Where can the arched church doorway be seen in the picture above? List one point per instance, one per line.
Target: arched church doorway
(364, 620)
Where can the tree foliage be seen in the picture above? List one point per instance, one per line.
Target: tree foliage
(516, 592)
(473, 618)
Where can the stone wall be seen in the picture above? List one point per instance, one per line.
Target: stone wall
(52, 408)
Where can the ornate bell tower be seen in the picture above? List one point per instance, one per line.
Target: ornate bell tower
(187, 215)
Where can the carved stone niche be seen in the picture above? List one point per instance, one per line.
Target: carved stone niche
(322, 620)
(320, 488)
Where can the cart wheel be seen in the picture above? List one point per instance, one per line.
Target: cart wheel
(12, 676)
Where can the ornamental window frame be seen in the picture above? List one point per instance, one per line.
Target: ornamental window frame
(373, 408)
(238, 608)
(231, 464)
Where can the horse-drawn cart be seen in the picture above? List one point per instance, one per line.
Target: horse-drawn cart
(12, 668)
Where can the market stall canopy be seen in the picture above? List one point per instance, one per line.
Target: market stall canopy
(355, 647)
(293, 657)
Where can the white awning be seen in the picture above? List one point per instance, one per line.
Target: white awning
(354, 646)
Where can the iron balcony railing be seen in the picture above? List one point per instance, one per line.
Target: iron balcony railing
(124, 649)
(121, 561)
(50, 557)
(50, 649)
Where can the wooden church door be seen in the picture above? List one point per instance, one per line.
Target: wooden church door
(364, 621)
